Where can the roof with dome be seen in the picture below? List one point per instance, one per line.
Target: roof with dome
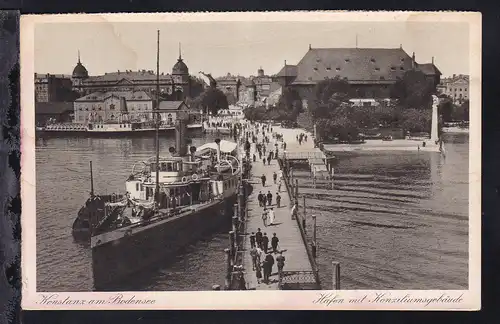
(80, 71)
(180, 67)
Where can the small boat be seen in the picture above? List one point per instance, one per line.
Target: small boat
(98, 212)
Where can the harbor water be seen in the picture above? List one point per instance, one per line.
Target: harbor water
(394, 220)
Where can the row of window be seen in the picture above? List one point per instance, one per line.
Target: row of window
(112, 107)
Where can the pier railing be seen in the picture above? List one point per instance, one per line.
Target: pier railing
(298, 280)
(302, 230)
(306, 155)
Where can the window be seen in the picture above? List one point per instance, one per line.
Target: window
(337, 69)
(315, 68)
(372, 60)
(328, 68)
(377, 69)
(169, 118)
(460, 89)
(402, 68)
(112, 107)
(382, 78)
(137, 186)
(393, 68)
(347, 60)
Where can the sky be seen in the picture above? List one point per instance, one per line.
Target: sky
(239, 48)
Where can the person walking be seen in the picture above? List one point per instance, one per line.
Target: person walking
(280, 261)
(278, 198)
(275, 177)
(254, 157)
(279, 185)
(269, 198)
(265, 243)
(264, 217)
(269, 262)
(264, 161)
(258, 238)
(253, 254)
(270, 214)
(261, 199)
(274, 243)
(263, 179)
(258, 267)
(252, 240)
(268, 159)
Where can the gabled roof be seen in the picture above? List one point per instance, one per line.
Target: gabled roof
(172, 105)
(287, 70)
(46, 108)
(128, 95)
(366, 64)
(428, 69)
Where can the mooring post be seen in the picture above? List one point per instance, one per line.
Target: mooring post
(227, 282)
(314, 244)
(336, 275)
(241, 200)
(297, 191)
(236, 229)
(232, 243)
(304, 214)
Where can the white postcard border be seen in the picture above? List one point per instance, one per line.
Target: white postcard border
(291, 300)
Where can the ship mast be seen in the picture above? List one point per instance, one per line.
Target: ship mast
(157, 123)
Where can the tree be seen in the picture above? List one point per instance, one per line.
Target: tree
(213, 100)
(465, 110)
(416, 120)
(329, 94)
(446, 108)
(414, 90)
(290, 101)
(196, 87)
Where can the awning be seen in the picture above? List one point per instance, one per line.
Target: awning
(225, 147)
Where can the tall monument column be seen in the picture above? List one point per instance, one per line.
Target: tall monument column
(434, 124)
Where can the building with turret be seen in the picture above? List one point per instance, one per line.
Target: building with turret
(176, 85)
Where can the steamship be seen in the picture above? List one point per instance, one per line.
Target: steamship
(170, 202)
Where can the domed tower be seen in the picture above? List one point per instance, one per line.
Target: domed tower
(260, 72)
(80, 73)
(180, 74)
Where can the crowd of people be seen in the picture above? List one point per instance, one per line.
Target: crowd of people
(264, 250)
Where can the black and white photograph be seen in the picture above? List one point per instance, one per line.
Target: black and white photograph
(333, 155)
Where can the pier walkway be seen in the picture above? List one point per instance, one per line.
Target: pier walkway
(298, 268)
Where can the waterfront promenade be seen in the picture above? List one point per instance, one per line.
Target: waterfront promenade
(286, 228)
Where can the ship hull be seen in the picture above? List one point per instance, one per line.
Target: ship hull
(106, 134)
(115, 262)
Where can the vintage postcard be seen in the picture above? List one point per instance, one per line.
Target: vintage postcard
(278, 160)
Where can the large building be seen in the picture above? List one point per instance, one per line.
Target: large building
(369, 71)
(53, 88)
(53, 112)
(177, 84)
(113, 106)
(455, 87)
(246, 90)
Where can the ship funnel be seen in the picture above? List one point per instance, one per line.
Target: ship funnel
(180, 136)
(192, 150)
(217, 141)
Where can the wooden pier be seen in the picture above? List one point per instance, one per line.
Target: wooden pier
(300, 270)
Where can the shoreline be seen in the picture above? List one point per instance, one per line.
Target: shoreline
(380, 145)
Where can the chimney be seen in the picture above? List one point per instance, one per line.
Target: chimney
(217, 141)
(401, 46)
(433, 60)
(180, 135)
(309, 46)
(413, 61)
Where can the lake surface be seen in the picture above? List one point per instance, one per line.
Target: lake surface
(393, 220)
